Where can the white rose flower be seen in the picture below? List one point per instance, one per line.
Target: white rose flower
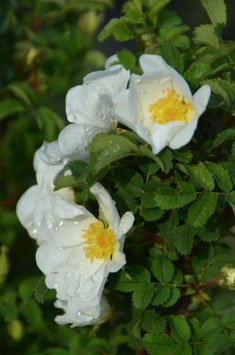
(89, 108)
(47, 163)
(159, 105)
(80, 252)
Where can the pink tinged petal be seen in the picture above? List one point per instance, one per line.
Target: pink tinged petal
(163, 134)
(155, 66)
(185, 135)
(108, 81)
(48, 257)
(122, 111)
(107, 205)
(201, 98)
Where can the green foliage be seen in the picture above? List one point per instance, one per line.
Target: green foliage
(174, 295)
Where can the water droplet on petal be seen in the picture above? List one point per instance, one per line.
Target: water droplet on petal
(56, 285)
(38, 223)
(86, 147)
(35, 231)
(79, 313)
(75, 222)
(94, 278)
(103, 117)
(81, 272)
(56, 228)
(137, 81)
(106, 153)
(116, 148)
(49, 223)
(68, 275)
(60, 223)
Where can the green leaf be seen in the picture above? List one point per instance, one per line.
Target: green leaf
(147, 152)
(125, 283)
(183, 238)
(78, 169)
(217, 345)
(8, 306)
(205, 34)
(229, 320)
(108, 29)
(202, 209)
(221, 175)
(166, 158)
(147, 197)
(121, 31)
(140, 273)
(158, 344)
(40, 290)
(216, 10)
(168, 198)
(183, 349)
(174, 296)
(126, 201)
(24, 92)
(223, 136)
(26, 288)
(107, 148)
(172, 56)
(211, 327)
(163, 268)
(9, 107)
(223, 304)
(201, 175)
(157, 6)
(127, 59)
(197, 72)
(208, 236)
(224, 90)
(142, 295)
(161, 295)
(130, 181)
(180, 330)
(134, 17)
(151, 214)
(31, 312)
(153, 323)
(168, 18)
(183, 156)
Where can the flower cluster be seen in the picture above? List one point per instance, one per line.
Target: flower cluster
(77, 251)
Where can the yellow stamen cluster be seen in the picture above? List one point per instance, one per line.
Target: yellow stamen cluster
(174, 106)
(101, 241)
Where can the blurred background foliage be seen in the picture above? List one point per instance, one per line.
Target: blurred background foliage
(47, 46)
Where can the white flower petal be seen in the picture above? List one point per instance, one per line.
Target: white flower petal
(185, 135)
(107, 205)
(155, 66)
(109, 81)
(111, 60)
(121, 109)
(201, 98)
(25, 209)
(48, 257)
(162, 134)
(126, 223)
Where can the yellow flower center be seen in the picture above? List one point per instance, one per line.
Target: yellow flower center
(174, 106)
(101, 241)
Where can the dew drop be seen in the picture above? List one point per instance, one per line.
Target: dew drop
(116, 148)
(60, 223)
(98, 115)
(137, 81)
(38, 223)
(56, 228)
(106, 153)
(86, 147)
(75, 222)
(81, 272)
(49, 223)
(79, 313)
(103, 117)
(56, 285)
(68, 275)
(35, 231)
